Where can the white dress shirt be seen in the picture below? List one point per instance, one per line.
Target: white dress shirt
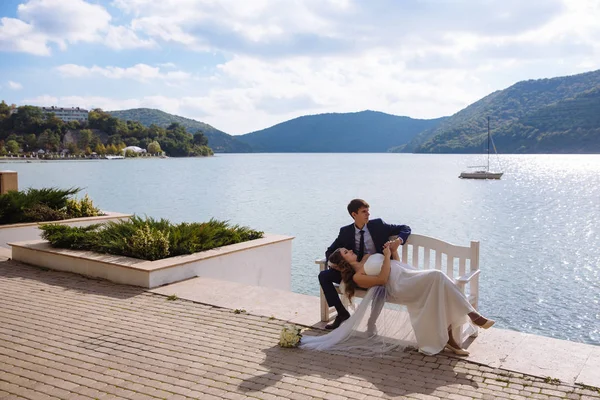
(369, 244)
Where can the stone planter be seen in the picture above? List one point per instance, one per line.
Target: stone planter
(30, 230)
(262, 262)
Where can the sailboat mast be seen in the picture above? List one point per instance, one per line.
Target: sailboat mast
(488, 147)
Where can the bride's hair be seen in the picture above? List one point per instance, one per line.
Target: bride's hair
(347, 272)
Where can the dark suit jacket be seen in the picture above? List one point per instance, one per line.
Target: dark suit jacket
(379, 230)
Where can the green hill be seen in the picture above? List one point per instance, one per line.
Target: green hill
(365, 131)
(219, 141)
(558, 115)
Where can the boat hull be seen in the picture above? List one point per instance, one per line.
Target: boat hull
(480, 175)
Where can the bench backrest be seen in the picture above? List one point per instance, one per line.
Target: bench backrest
(426, 252)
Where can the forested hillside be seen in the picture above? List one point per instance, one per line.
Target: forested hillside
(360, 132)
(219, 141)
(26, 130)
(557, 115)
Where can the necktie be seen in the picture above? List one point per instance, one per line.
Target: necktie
(361, 246)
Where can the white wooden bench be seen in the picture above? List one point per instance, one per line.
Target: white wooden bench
(461, 263)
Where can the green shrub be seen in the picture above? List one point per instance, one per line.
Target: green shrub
(76, 208)
(71, 237)
(147, 238)
(41, 212)
(149, 243)
(47, 204)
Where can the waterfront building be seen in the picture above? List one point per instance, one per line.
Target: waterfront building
(67, 114)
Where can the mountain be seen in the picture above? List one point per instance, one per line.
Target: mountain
(558, 115)
(359, 132)
(219, 141)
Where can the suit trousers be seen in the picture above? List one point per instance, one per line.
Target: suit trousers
(327, 278)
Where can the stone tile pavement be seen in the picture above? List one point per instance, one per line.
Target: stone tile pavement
(64, 336)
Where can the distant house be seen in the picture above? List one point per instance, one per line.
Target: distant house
(135, 149)
(67, 114)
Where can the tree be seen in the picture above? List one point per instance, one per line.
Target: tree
(100, 149)
(49, 141)
(200, 139)
(114, 139)
(136, 129)
(16, 138)
(73, 125)
(132, 141)
(154, 148)
(95, 141)
(98, 119)
(155, 131)
(73, 149)
(4, 110)
(112, 149)
(53, 123)
(30, 142)
(12, 146)
(85, 138)
(29, 119)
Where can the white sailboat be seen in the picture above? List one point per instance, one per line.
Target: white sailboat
(483, 173)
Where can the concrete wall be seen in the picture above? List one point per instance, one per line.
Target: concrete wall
(30, 231)
(265, 262)
(40, 254)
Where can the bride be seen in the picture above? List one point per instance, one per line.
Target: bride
(435, 306)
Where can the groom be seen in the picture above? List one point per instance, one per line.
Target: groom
(363, 237)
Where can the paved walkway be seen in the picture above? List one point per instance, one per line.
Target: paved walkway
(63, 336)
(534, 355)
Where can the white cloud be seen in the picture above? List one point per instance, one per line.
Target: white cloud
(16, 35)
(72, 21)
(279, 60)
(15, 85)
(120, 38)
(43, 22)
(139, 72)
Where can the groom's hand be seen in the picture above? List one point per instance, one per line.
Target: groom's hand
(393, 244)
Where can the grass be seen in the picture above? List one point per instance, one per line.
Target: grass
(554, 381)
(147, 238)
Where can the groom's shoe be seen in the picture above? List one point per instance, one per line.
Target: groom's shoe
(337, 321)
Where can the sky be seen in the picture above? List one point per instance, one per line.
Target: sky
(246, 65)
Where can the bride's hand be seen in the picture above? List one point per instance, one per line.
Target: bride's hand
(393, 244)
(387, 252)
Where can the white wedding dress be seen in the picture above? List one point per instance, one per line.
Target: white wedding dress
(431, 303)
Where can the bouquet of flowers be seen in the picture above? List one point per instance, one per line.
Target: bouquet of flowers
(290, 336)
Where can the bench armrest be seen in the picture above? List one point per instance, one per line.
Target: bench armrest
(322, 264)
(466, 278)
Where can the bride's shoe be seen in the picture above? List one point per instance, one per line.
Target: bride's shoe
(458, 352)
(485, 325)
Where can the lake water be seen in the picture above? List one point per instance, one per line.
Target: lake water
(539, 226)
